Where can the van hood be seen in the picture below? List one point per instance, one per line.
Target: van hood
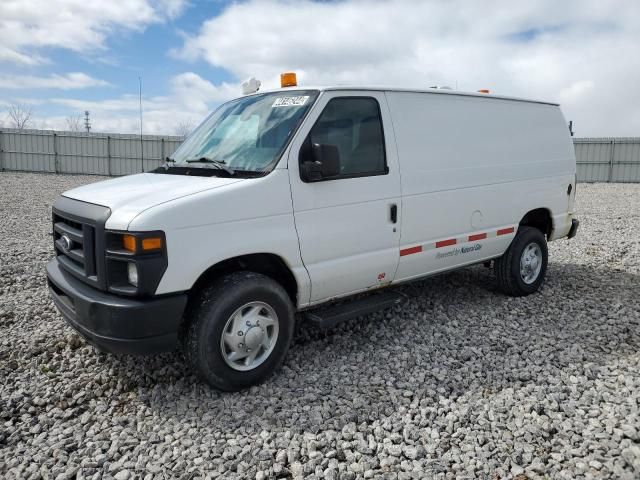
(129, 196)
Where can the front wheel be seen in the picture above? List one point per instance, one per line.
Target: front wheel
(238, 330)
(521, 270)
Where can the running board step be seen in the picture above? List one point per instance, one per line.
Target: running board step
(330, 316)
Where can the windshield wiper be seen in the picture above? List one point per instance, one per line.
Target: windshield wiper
(167, 161)
(220, 164)
(251, 173)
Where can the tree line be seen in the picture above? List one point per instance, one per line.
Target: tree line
(20, 116)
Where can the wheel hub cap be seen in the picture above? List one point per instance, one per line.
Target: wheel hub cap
(253, 338)
(249, 336)
(530, 263)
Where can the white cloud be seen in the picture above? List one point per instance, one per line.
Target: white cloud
(67, 81)
(190, 99)
(78, 25)
(197, 94)
(170, 8)
(581, 53)
(12, 56)
(577, 92)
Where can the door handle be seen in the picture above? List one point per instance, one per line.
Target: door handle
(394, 213)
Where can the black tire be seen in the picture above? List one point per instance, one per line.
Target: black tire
(207, 316)
(507, 267)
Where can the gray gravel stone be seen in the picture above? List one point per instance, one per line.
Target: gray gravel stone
(122, 475)
(458, 382)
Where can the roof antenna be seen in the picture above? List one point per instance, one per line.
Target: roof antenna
(141, 142)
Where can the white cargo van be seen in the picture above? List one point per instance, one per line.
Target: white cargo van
(285, 201)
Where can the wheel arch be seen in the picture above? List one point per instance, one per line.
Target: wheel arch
(268, 264)
(539, 218)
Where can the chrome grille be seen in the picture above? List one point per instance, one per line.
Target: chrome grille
(79, 239)
(74, 243)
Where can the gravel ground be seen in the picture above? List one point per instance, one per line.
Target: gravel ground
(459, 382)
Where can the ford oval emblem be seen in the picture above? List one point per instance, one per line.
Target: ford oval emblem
(67, 243)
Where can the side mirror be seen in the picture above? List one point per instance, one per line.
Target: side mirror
(324, 163)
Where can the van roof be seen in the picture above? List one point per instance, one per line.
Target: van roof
(439, 91)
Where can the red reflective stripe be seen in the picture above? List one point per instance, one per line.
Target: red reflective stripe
(409, 251)
(506, 231)
(478, 236)
(446, 243)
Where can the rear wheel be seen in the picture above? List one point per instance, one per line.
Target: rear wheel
(238, 330)
(521, 270)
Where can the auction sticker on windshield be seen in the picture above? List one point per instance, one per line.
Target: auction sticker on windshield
(290, 101)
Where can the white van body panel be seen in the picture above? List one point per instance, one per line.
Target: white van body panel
(387, 88)
(464, 169)
(129, 196)
(347, 240)
(472, 167)
(245, 217)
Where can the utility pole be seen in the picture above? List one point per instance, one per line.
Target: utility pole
(141, 142)
(87, 123)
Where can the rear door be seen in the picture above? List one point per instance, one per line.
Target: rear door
(349, 225)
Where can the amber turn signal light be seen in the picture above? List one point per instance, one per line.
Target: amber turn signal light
(129, 243)
(151, 243)
(146, 245)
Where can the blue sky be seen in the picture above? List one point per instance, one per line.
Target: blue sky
(115, 64)
(144, 53)
(60, 57)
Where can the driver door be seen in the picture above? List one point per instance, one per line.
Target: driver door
(348, 224)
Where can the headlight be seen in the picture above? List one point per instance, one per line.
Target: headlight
(136, 262)
(132, 274)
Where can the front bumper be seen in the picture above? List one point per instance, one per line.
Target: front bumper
(113, 323)
(574, 228)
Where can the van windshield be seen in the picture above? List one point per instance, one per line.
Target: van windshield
(246, 134)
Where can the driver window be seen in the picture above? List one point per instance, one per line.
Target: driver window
(354, 126)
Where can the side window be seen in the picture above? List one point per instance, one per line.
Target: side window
(352, 125)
